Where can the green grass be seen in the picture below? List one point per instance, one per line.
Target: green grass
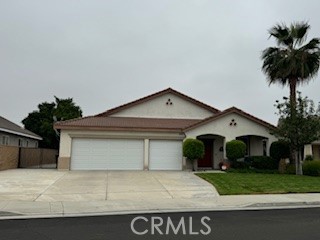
(258, 183)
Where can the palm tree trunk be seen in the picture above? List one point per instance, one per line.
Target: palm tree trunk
(293, 111)
(298, 162)
(293, 95)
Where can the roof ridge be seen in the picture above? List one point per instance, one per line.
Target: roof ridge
(71, 120)
(159, 93)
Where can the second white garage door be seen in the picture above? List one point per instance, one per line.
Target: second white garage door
(165, 155)
(106, 154)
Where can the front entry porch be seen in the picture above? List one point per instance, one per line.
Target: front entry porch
(214, 153)
(256, 145)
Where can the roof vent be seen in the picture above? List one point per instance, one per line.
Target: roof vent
(169, 102)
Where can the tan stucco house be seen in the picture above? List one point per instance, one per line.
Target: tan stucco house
(147, 134)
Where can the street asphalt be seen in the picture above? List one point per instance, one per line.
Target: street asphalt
(285, 224)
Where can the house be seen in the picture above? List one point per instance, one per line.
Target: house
(313, 150)
(12, 134)
(148, 134)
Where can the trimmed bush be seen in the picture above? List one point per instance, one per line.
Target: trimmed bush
(311, 168)
(235, 149)
(263, 162)
(309, 158)
(291, 169)
(279, 150)
(193, 149)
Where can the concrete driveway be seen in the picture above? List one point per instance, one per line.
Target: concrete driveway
(48, 185)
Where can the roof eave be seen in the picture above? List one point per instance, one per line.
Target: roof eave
(133, 129)
(20, 134)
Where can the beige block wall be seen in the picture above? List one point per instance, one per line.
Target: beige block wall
(9, 157)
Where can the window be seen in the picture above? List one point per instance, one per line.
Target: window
(5, 140)
(20, 142)
(36, 144)
(27, 143)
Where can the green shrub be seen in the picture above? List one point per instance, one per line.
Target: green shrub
(263, 162)
(279, 149)
(193, 149)
(311, 168)
(235, 149)
(309, 158)
(291, 169)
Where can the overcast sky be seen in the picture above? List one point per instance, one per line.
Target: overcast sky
(106, 53)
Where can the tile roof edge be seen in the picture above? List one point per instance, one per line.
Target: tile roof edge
(227, 111)
(20, 130)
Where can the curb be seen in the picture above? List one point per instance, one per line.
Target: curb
(251, 207)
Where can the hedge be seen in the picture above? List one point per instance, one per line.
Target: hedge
(263, 162)
(311, 168)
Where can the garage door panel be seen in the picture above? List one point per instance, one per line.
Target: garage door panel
(165, 155)
(107, 154)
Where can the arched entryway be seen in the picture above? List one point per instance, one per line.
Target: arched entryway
(214, 151)
(256, 145)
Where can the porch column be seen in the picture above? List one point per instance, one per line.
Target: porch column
(224, 148)
(268, 144)
(307, 150)
(146, 155)
(184, 163)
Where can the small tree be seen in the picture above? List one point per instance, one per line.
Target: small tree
(298, 129)
(280, 150)
(235, 149)
(41, 121)
(193, 149)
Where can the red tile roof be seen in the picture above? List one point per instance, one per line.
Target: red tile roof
(127, 123)
(103, 121)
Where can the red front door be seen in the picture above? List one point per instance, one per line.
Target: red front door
(206, 161)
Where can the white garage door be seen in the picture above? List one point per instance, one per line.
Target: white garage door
(106, 154)
(165, 155)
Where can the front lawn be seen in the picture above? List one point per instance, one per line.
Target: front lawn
(258, 183)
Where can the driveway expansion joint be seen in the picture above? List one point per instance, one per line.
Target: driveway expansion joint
(57, 180)
(163, 186)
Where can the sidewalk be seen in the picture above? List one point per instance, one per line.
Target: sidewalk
(27, 209)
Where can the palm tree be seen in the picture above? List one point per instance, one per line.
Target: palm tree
(290, 62)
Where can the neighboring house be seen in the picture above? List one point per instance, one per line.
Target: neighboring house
(313, 150)
(148, 134)
(12, 134)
